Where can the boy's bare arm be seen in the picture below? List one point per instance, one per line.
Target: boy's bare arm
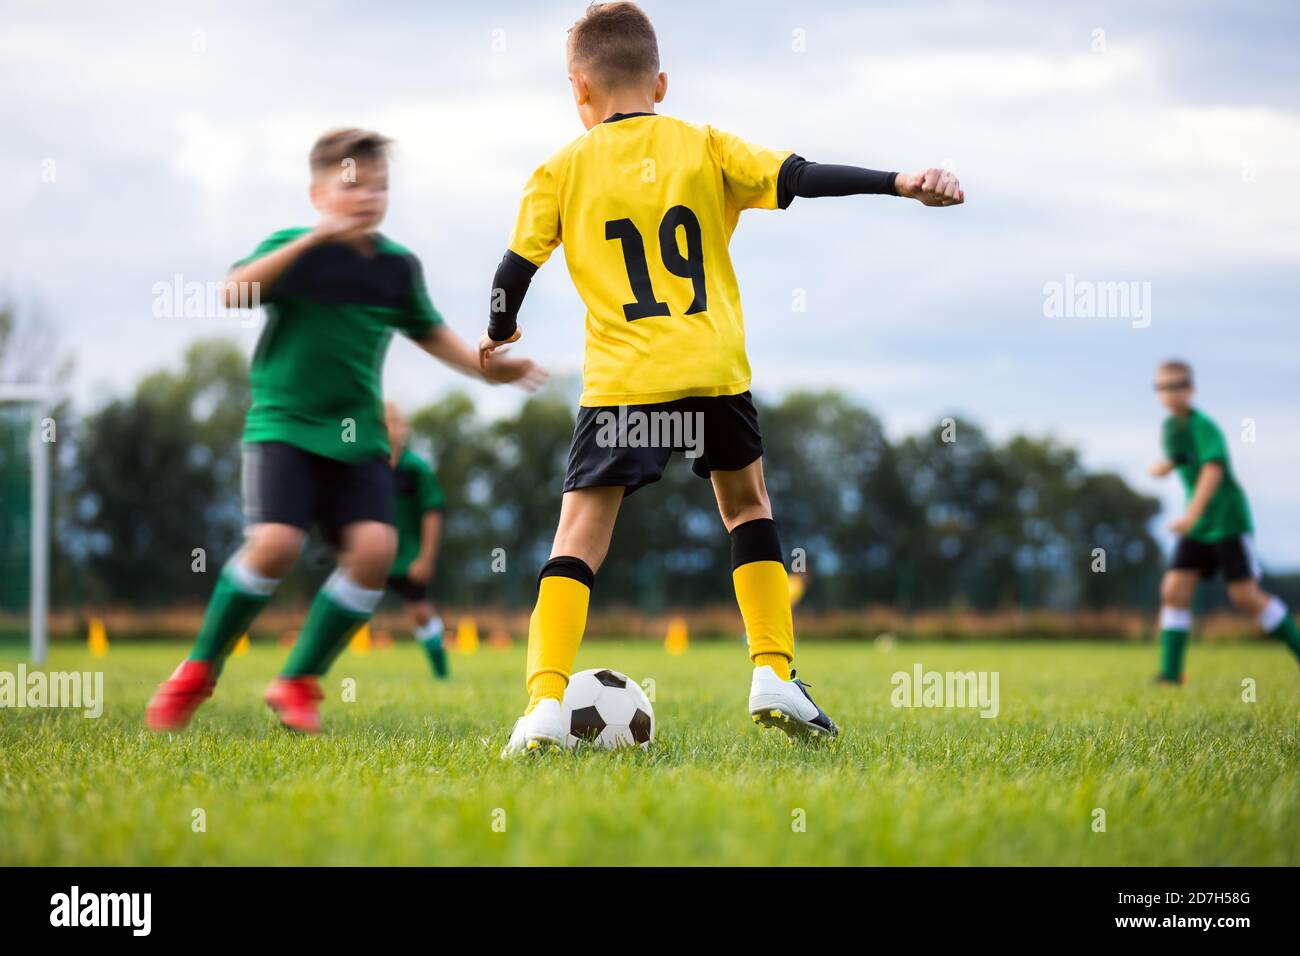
(1160, 469)
(421, 569)
(450, 349)
(1209, 480)
(267, 269)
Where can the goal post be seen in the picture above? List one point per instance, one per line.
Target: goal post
(36, 401)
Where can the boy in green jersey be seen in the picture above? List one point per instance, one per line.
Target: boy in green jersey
(315, 442)
(1214, 532)
(418, 509)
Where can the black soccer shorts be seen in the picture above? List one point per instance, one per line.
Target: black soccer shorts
(285, 484)
(629, 445)
(1233, 557)
(408, 590)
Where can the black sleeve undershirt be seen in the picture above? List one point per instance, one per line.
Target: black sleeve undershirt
(799, 177)
(509, 286)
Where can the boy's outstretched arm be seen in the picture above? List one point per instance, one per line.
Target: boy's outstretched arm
(800, 178)
(450, 349)
(509, 286)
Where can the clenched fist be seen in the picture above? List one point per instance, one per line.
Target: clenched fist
(933, 187)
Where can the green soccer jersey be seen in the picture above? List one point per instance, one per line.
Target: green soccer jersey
(418, 492)
(1191, 443)
(316, 372)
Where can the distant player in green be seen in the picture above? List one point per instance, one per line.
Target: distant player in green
(419, 503)
(1215, 532)
(315, 441)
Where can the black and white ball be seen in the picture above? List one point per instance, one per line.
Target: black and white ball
(606, 709)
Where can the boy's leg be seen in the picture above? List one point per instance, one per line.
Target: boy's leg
(1272, 614)
(555, 630)
(355, 508)
(1177, 589)
(600, 472)
(757, 566)
(346, 600)
(428, 629)
(587, 517)
(763, 593)
(244, 587)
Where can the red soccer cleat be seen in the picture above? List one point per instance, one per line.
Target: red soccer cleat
(180, 695)
(296, 700)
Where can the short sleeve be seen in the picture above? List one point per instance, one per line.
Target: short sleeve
(1210, 445)
(749, 172)
(431, 496)
(537, 228)
(422, 318)
(1167, 442)
(268, 245)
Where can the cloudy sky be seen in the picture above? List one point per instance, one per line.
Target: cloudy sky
(1155, 144)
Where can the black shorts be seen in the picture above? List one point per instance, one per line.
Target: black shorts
(408, 590)
(1233, 557)
(286, 485)
(629, 445)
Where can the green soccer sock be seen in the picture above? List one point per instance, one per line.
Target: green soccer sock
(1173, 651)
(430, 638)
(238, 598)
(1175, 623)
(1278, 622)
(337, 612)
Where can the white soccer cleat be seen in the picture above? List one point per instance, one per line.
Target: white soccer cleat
(541, 729)
(786, 704)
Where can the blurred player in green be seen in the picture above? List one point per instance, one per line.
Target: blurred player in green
(1214, 533)
(315, 443)
(418, 504)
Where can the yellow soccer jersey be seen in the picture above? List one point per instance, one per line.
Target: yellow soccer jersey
(645, 205)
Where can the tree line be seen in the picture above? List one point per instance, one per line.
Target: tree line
(947, 518)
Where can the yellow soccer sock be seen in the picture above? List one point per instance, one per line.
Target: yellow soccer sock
(556, 627)
(779, 663)
(763, 593)
(544, 685)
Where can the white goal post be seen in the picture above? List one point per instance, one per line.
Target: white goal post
(40, 400)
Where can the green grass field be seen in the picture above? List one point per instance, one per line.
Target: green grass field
(409, 773)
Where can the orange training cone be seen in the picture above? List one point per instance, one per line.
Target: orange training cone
(97, 638)
(677, 640)
(360, 643)
(467, 636)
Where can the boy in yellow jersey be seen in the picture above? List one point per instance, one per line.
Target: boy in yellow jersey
(645, 206)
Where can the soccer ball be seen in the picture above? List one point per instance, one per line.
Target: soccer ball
(606, 709)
